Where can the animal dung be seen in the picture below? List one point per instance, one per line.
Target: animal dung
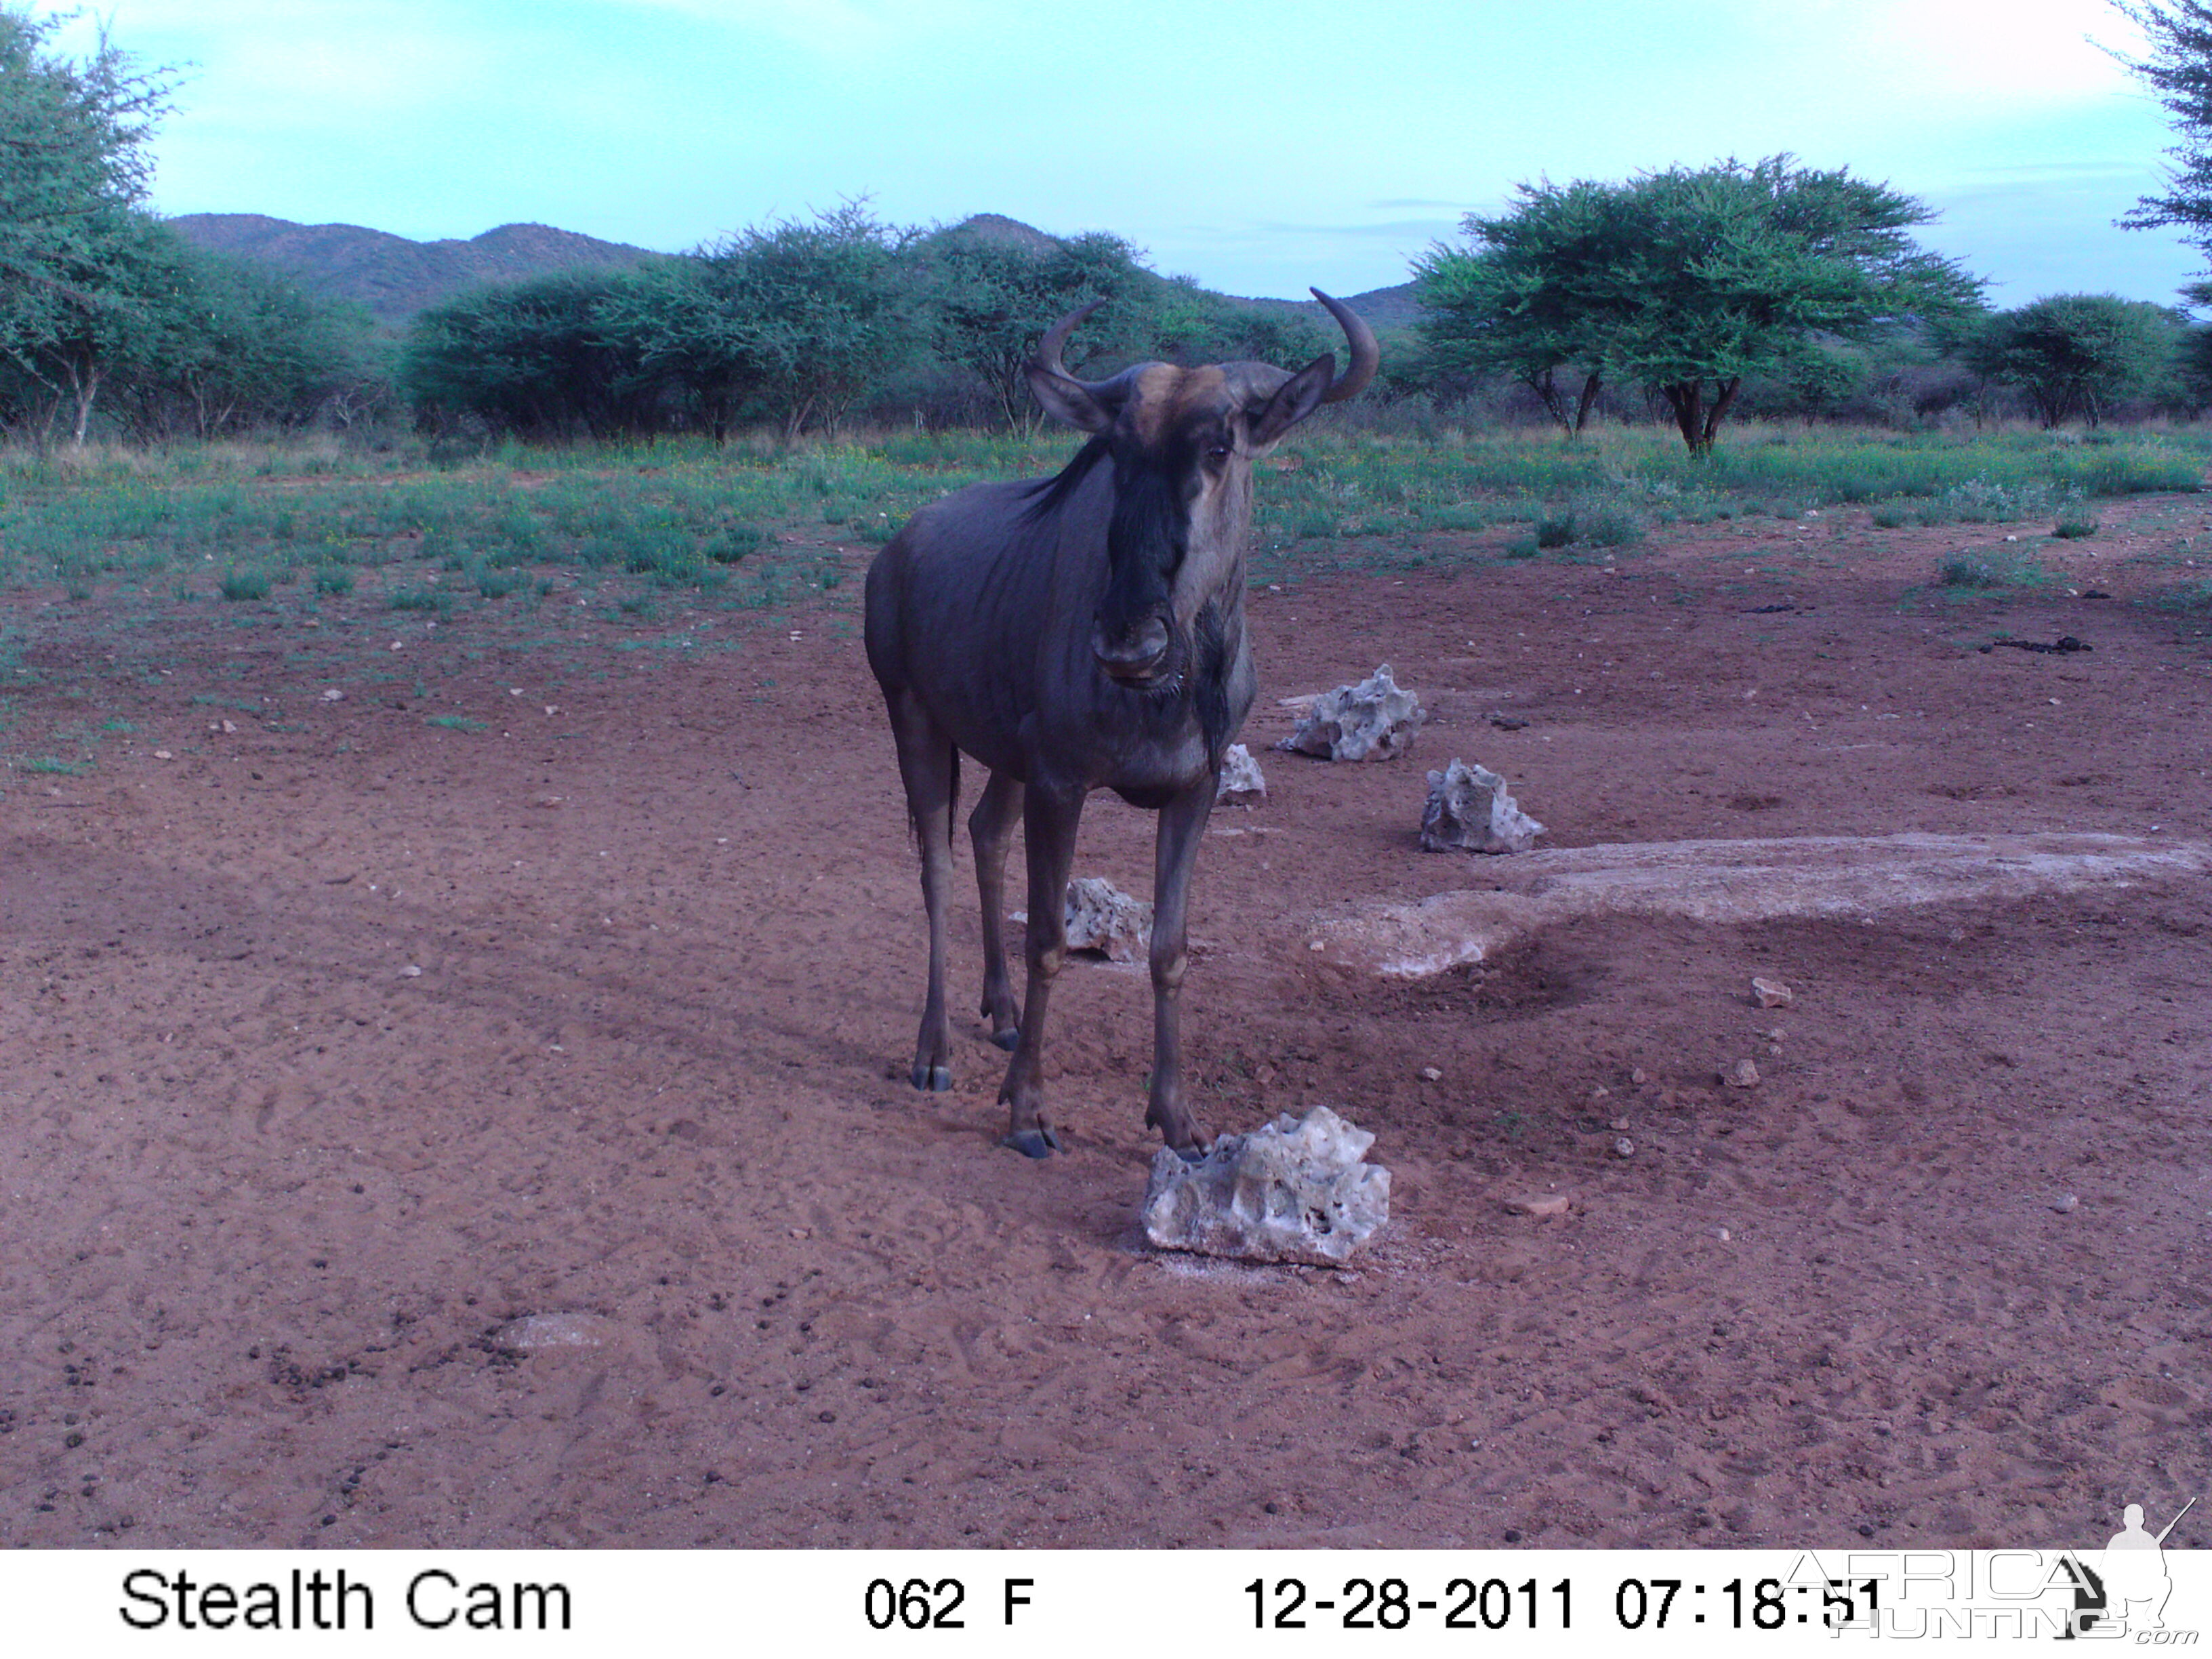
(1296, 1190)
(1469, 810)
(1374, 720)
(1102, 917)
(1241, 781)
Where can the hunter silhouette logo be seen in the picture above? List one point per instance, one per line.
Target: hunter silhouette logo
(2135, 1571)
(2127, 1588)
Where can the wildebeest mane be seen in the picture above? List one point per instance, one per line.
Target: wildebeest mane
(1050, 495)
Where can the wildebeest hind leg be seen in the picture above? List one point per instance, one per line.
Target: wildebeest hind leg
(1049, 825)
(1182, 826)
(929, 766)
(991, 827)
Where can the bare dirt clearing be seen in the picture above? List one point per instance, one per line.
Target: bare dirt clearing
(269, 1198)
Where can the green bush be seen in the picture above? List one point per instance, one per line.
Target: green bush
(245, 585)
(333, 578)
(1556, 531)
(420, 598)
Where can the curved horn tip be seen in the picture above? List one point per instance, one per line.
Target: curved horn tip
(1366, 354)
(1047, 356)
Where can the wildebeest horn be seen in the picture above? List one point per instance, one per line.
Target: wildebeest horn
(1055, 338)
(1366, 355)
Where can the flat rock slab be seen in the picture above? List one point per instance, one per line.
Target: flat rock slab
(1730, 882)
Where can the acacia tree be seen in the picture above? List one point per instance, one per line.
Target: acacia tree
(2179, 69)
(2079, 354)
(1520, 303)
(811, 314)
(1683, 281)
(76, 255)
(991, 298)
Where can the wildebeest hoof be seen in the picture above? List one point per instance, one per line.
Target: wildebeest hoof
(932, 1080)
(1033, 1142)
(1007, 1039)
(1194, 1153)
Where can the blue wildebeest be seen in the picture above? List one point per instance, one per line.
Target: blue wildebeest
(1084, 632)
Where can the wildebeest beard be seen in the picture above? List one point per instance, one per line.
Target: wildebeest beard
(1146, 539)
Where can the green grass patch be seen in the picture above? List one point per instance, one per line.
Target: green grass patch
(459, 723)
(240, 585)
(50, 763)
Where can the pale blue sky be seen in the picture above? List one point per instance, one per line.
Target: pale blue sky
(1258, 146)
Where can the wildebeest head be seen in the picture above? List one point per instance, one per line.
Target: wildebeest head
(1182, 442)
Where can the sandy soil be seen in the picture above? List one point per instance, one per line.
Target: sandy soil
(267, 1193)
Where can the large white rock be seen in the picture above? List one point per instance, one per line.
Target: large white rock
(1734, 882)
(1469, 809)
(1294, 1191)
(1371, 720)
(1241, 781)
(1102, 917)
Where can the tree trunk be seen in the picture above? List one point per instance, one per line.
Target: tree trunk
(85, 385)
(1583, 403)
(1719, 410)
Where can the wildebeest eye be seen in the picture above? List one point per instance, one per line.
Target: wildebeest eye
(1219, 451)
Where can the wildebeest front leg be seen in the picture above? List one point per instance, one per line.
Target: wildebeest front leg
(1050, 822)
(1182, 826)
(990, 826)
(926, 762)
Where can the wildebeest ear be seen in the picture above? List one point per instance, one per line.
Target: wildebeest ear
(1295, 399)
(1070, 400)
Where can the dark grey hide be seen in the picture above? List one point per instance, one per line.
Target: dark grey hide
(1084, 633)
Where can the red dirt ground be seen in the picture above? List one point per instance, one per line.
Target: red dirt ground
(266, 1200)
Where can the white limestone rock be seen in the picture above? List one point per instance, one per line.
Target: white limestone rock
(1241, 783)
(1294, 1191)
(1374, 720)
(1469, 810)
(1102, 917)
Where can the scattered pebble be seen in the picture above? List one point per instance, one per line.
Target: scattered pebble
(410, 971)
(2067, 1204)
(395, 645)
(1771, 993)
(1741, 1075)
(1548, 1207)
(1638, 1078)
(1722, 1234)
(1429, 1074)
(333, 694)
(1624, 1147)
(553, 1330)
(163, 754)
(1599, 1092)
(1618, 1123)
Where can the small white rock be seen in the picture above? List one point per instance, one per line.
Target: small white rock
(1430, 1075)
(410, 971)
(1548, 1207)
(1624, 1147)
(1242, 781)
(533, 1332)
(1741, 1075)
(1771, 993)
(1722, 1234)
(2067, 1204)
(333, 694)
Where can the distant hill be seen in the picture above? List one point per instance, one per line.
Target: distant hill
(395, 279)
(391, 276)
(1380, 307)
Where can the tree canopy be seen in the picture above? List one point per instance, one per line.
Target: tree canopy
(2077, 354)
(2179, 71)
(97, 295)
(1682, 282)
